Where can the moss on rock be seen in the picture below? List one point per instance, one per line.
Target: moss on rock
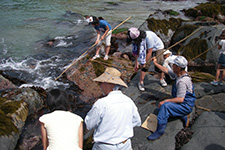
(163, 25)
(8, 107)
(194, 48)
(201, 77)
(120, 30)
(205, 9)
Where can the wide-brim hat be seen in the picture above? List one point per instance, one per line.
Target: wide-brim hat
(111, 75)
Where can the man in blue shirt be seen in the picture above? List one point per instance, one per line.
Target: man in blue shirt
(113, 116)
(103, 26)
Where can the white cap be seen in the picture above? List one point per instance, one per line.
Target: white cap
(167, 52)
(180, 61)
(89, 20)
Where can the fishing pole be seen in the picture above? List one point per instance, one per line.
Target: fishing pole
(90, 48)
(145, 70)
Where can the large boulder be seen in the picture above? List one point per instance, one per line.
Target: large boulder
(84, 71)
(15, 107)
(13, 117)
(6, 84)
(209, 132)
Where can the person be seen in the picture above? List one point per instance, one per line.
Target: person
(113, 116)
(60, 128)
(144, 44)
(103, 26)
(221, 61)
(168, 57)
(183, 95)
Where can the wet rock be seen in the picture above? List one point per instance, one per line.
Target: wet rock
(28, 95)
(84, 71)
(13, 117)
(6, 84)
(214, 103)
(208, 131)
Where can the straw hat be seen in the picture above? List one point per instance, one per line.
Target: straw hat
(111, 75)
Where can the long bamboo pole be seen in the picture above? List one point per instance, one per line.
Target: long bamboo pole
(90, 48)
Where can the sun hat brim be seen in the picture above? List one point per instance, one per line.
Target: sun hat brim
(108, 78)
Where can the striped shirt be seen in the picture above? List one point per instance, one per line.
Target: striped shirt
(183, 83)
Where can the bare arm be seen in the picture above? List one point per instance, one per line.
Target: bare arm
(80, 134)
(105, 34)
(44, 136)
(174, 100)
(163, 69)
(98, 37)
(149, 54)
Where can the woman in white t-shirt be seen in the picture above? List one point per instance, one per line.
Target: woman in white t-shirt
(221, 61)
(60, 128)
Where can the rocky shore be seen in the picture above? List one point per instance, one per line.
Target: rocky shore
(20, 108)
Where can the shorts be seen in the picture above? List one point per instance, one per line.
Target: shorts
(107, 40)
(160, 58)
(221, 60)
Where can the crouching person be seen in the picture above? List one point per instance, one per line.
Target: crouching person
(113, 116)
(183, 96)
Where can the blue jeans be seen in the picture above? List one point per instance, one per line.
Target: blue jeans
(169, 109)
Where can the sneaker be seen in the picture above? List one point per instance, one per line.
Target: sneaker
(106, 57)
(214, 83)
(96, 56)
(163, 83)
(220, 83)
(141, 87)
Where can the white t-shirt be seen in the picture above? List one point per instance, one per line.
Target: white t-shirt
(153, 41)
(169, 65)
(62, 130)
(222, 43)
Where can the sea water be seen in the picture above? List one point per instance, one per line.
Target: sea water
(26, 25)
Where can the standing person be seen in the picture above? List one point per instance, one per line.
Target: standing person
(168, 57)
(144, 44)
(113, 116)
(103, 26)
(183, 99)
(61, 129)
(221, 61)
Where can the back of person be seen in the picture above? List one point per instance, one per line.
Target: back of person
(153, 41)
(117, 123)
(62, 130)
(102, 26)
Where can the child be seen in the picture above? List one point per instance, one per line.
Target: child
(103, 26)
(221, 61)
(61, 129)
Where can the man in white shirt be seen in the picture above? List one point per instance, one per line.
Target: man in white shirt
(113, 116)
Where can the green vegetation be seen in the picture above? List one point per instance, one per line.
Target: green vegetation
(201, 77)
(119, 30)
(164, 25)
(7, 107)
(194, 48)
(206, 9)
(99, 66)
